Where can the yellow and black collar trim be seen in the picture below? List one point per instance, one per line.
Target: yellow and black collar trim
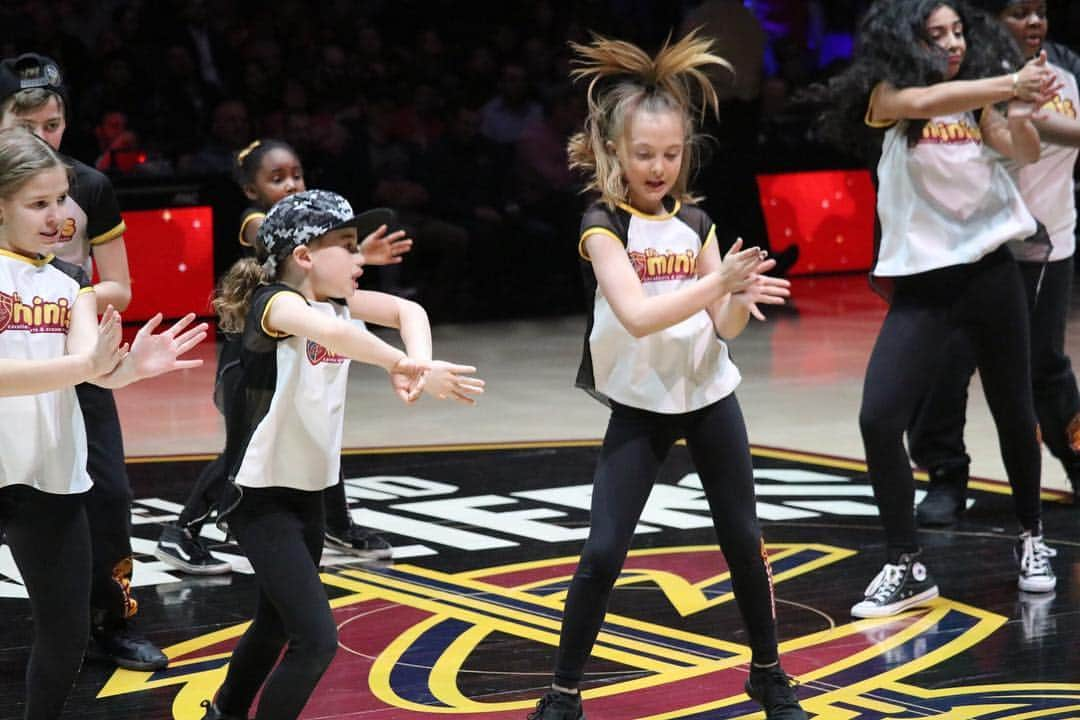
(31, 261)
(667, 215)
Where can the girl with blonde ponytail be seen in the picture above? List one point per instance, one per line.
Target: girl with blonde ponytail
(662, 299)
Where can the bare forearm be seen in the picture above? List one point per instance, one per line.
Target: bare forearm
(1026, 145)
(729, 317)
(31, 377)
(647, 315)
(415, 331)
(110, 292)
(1059, 130)
(946, 98)
(361, 345)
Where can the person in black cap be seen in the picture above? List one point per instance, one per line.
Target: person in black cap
(936, 437)
(32, 95)
(284, 426)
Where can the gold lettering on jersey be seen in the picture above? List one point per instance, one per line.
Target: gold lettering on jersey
(652, 266)
(40, 316)
(951, 133)
(1062, 106)
(67, 230)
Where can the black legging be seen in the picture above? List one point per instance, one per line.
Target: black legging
(985, 301)
(108, 506)
(281, 532)
(50, 542)
(936, 436)
(635, 445)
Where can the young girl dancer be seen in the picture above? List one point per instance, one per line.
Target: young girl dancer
(284, 425)
(928, 74)
(267, 171)
(662, 298)
(33, 96)
(51, 340)
(936, 437)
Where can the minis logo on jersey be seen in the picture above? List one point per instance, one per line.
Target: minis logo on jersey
(652, 266)
(951, 133)
(40, 316)
(317, 354)
(1062, 106)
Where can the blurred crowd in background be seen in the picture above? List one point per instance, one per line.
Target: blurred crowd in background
(455, 113)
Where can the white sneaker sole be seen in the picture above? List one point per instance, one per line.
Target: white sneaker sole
(176, 563)
(866, 609)
(1041, 584)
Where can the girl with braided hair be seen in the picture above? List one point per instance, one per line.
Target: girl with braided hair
(662, 298)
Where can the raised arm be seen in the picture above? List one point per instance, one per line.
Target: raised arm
(890, 104)
(642, 315)
(391, 311)
(288, 314)
(444, 379)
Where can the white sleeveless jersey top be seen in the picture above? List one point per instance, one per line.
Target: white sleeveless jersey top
(1047, 185)
(679, 369)
(42, 436)
(948, 200)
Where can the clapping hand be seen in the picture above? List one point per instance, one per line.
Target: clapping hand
(152, 355)
(408, 378)
(765, 290)
(737, 268)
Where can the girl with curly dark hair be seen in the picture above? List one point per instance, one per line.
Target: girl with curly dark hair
(928, 81)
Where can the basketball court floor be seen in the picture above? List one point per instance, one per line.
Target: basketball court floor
(487, 508)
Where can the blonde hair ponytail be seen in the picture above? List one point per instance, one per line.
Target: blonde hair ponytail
(233, 298)
(674, 79)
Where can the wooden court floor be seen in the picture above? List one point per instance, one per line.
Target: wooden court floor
(463, 622)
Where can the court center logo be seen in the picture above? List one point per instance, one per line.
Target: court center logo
(421, 643)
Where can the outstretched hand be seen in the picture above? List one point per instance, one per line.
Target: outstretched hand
(447, 380)
(383, 248)
(152, 355)
(764, 290)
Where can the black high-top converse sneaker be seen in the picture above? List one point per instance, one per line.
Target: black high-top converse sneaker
(896, 588)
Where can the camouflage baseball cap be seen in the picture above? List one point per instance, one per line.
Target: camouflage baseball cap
(299, 219)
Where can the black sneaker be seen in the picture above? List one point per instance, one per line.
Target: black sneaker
(360, 542)
(1033, 556)
(946, 497)
(127, 648)
(774, 690)
(557, 705)
(212, 713)
(179, 549)
(896, 588)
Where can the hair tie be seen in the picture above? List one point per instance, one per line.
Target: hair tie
(247, 151)
(269, 266)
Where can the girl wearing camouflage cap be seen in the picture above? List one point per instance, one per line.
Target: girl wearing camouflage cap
(294, 306)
